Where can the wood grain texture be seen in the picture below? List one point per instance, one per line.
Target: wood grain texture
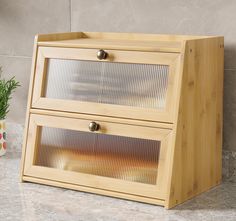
(190, 132)
(166, 115)
(30, 96)
(198, 145)
(117, 41)
(94, 190)
(102, 118)
(116, 36)
(163, 135)
(152, 46)
(59, 36)
(140, 36)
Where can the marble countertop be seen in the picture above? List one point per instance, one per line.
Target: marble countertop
(34, 202)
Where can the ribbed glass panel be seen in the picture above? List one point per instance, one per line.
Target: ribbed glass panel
(138, 85)
(130, 159)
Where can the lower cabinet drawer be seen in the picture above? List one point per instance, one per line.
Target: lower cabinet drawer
(116, 157)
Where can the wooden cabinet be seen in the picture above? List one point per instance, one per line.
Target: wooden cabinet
(133, 116)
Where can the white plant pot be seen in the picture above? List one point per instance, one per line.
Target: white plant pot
(3, 144)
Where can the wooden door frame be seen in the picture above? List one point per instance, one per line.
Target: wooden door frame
(165, 115)
(93, 181)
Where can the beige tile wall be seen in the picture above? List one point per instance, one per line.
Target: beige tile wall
(20, 20)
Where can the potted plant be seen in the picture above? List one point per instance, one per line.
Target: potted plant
(7, 87)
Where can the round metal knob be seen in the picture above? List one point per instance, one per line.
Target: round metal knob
(101, 54)
(93, 126)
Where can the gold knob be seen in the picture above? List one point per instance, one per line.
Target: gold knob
(93, 126)
(101, 54)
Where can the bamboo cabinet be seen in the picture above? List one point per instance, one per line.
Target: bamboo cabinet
(134, 116)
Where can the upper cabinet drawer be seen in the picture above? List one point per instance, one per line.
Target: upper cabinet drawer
(127, 84)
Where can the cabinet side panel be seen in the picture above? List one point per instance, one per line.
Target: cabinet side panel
(34, 58)
(198, 148)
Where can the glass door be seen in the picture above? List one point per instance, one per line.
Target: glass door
(118, 157)
(140, 85)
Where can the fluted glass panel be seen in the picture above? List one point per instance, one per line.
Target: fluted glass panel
(138, 85)
(125, 158)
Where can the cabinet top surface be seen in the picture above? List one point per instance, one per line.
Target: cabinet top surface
(117, 41)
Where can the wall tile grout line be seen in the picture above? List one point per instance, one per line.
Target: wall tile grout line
(70, 9)
(230, 69)
(15, 56)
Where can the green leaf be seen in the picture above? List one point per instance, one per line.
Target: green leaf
(6, 89)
